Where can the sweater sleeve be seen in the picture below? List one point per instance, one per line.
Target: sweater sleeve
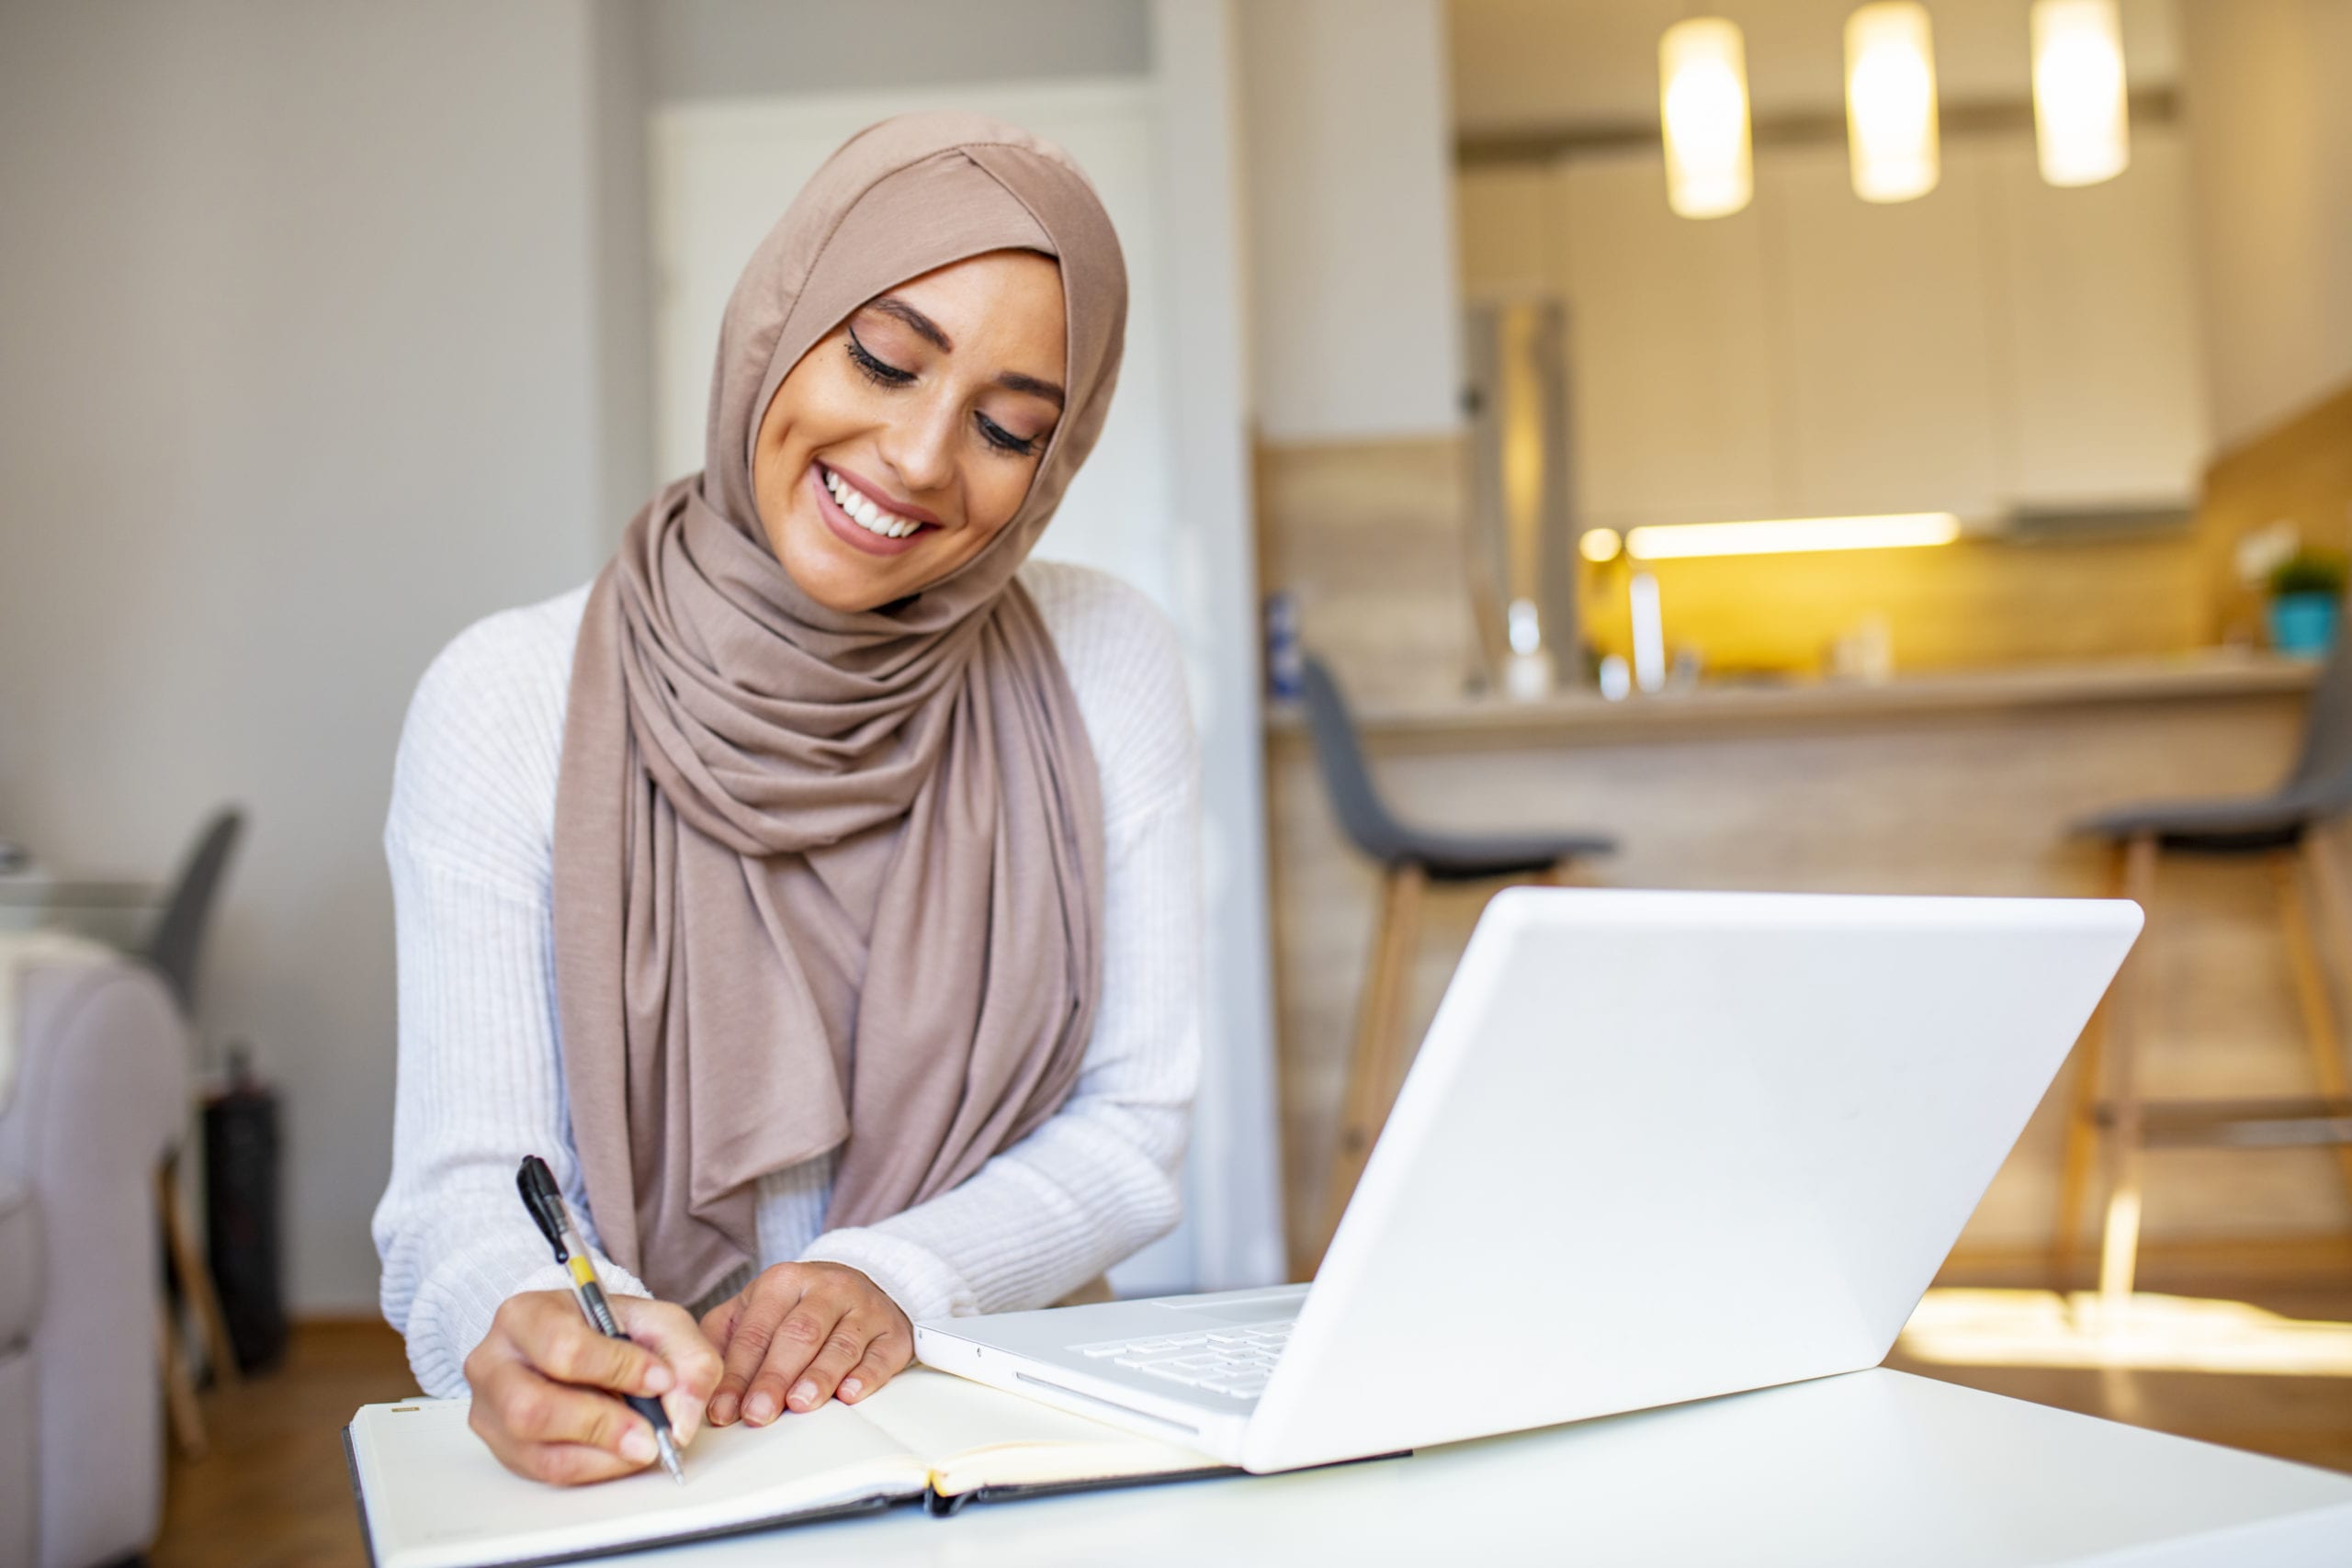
(1098, 1179)
(479, 1081)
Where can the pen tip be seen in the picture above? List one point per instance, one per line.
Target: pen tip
(670, 1460)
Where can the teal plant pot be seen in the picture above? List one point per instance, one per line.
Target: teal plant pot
(2302, 626)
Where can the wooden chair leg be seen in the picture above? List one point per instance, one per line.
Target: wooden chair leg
(2082, 1110)
(179, 1389)
(195, 1274)
(1379, 1017)
(2081, 1144)
(2310, 979)
(2119, 1237)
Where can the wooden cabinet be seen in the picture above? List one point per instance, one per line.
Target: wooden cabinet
(2106, 389)
(1997, 346)
(1883, 314)
(1671, 364)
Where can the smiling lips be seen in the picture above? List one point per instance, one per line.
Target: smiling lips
(862, 508)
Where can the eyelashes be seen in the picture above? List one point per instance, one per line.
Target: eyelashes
(1005, 440)
(873, 369)
(890, 376)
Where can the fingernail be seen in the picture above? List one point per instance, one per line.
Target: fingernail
(761, 1410)
(658, 1380)
(852, 1388)
(638, 1446)
(723, 1409)
(804, 1393)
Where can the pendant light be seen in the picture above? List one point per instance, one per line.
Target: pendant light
(1891, 101)
(2081, 124)
(1702, 106)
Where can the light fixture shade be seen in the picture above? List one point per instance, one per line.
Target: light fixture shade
(1891, 101)
(1702, 105)
(2081, 121)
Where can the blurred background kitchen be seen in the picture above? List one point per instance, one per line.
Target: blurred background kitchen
(1800, 446)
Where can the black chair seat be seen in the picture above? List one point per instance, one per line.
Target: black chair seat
(2244, 825)
(1365, 818)
(1468, 857)
(2318, 788)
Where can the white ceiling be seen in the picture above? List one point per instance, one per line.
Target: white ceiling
(1521, 64)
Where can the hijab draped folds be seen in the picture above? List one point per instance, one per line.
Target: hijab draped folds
(829, 879)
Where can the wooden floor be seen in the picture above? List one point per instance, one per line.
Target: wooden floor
(272, 1493)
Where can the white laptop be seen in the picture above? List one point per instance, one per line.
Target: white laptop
(1656, 1147)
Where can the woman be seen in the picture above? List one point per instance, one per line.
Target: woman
(815, 890)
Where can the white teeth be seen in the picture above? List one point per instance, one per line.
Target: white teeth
(864, 514)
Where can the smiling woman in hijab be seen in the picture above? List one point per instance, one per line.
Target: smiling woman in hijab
(815, 890)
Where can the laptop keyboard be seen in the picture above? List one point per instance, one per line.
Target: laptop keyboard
(1231, 1360)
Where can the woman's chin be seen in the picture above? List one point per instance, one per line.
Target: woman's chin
(840, 578)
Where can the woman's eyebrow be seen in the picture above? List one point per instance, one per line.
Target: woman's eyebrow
(889, 305)
(1013, 380)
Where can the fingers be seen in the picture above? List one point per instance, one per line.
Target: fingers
(818, 1341)
(797, 1333)
(544, 1382)
(670, 1333)
(756, 1314)
(547, 1329)
(718, 1323)
(550, 1431)
(887, 1355)
(572, 1464)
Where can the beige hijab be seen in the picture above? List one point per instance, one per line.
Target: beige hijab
(827, 880)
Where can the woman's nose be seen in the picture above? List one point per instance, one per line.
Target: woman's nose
(921, 450)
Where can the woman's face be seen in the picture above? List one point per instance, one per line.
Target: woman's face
(902, 441)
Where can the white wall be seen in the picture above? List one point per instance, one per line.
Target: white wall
(729, 49)
(1233, 1178)
(2270, 129)
(1163, 501)
(1348, 139)
(300, 378)
(327, 329)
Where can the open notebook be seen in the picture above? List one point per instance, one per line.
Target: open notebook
(431, 1496)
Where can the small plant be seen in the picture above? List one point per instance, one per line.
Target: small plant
(2310, 571)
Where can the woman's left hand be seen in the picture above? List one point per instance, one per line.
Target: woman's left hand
(800, 1333)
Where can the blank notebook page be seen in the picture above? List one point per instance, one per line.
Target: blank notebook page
(435, 1497)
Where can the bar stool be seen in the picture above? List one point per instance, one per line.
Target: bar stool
(1410, 858)
(2283, 828)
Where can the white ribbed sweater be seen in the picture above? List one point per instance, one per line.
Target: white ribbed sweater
(481, 1079)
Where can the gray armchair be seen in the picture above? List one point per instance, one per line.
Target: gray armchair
(100, 1091)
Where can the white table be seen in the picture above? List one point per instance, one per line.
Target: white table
(1876, 1468)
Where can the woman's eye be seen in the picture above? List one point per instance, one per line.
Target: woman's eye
(873, 369)
(1005, 440)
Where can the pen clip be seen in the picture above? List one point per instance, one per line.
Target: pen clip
(545, 1200)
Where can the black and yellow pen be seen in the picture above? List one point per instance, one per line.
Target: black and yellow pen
(541, 1196)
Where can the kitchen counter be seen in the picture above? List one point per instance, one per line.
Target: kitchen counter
(1951, 783)
(1584, 718)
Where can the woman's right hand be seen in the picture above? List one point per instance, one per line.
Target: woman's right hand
(547, 1386)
